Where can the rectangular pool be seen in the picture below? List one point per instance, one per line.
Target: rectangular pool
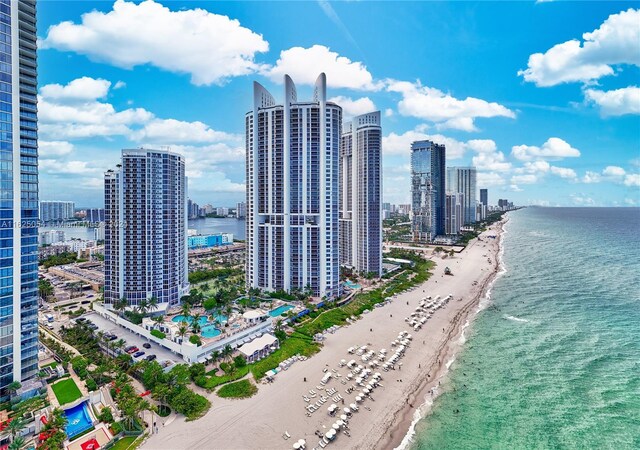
(280, 310)
(78, 420)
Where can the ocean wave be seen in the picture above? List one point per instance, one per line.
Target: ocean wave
(463, 338)
(502, 269)
(516, 319)
(418, 414)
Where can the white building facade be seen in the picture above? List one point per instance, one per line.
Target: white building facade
(454, 213)
(361, 194)
(292, 154)
(146, 229)
(463, 179)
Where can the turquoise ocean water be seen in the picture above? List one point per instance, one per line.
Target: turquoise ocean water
(554, 361)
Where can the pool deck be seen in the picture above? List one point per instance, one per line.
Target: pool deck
(100, 434)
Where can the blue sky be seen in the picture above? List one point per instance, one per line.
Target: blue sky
(543, 98)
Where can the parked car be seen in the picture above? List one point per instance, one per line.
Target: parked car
(133, 349)
(146, 345)
(138, 354)
(151, 357)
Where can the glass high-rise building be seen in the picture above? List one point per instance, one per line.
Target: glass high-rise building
(52, 210)
(427, 190)
(463, 179)
(292, 191)
(361, 194)
(484, 197)
(145, 249)
(18, 194)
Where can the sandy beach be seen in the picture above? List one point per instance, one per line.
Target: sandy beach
(279, 407)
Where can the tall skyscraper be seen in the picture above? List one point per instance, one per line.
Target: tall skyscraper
(19, 194)
(95, 215)
(241, 210)
(463, 179)
(292, 191)
(454, 213)
(56, 210)
(361, 194)
(427, 190)
(145, 252)
(484, 197)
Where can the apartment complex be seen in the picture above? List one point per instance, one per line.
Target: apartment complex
(19, 194)
(427, 190)
(145, 251)
(454, 213)
(56, 210)
(292, 157)
(463, 180)
(361, 194)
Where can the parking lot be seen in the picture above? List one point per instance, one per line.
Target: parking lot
(133, 339)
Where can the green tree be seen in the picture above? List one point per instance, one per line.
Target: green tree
(15, 427)
(195, 323)
(17, 444)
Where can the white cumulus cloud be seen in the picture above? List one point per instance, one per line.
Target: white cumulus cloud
(617, 102)
(207, 46)
(304, 65)
(84, 88)
(615, 42)
(54, 148)
(351, 107)
(447, 111)
(554, 148)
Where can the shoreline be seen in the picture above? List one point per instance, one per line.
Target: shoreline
(278, 407)
(402, 430)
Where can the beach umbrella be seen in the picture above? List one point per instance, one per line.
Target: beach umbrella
(347, 410)
(328, 435)
(296, 445)
(353, 406)
(343, 417)
(358, 399)
(336, 426)
(302, 442)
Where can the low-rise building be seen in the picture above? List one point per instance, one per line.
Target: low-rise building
(209, 240)
(259, 348)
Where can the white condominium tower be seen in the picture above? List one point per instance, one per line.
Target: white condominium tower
(361, 194)
(463, 179)
(145, 252)
(292, 191)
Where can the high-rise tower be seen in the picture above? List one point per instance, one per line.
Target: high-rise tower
(292, 191)
(463, 179)
(18, 194)
(145, 249)
(361, 194)
(427, 190)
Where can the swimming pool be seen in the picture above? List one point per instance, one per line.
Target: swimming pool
(280, 310)
(351, 285)
(78, 420)
(210, 331)
(220, 318)
(203, 319)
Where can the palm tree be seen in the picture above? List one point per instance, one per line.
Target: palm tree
(17, 444)
(143, 307)
(14, 386)
(195, 323)
(183, 328)
(15, 427)
(152, 302)
(119, 344)
(186, 309)
(227, 351)
(120, 306)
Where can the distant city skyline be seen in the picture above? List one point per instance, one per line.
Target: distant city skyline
(542, 125)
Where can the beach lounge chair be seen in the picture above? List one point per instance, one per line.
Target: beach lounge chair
(322, 444)
(306, 399)
(286, 435)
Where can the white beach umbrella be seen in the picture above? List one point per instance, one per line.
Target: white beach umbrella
(328, 435)
(353, 406)
(343, 417)
(347, 410)
(335, 426)
(296, 445)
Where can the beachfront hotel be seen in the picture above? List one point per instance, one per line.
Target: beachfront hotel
(463, 179)
(56, 210)
(18, 194)
(427, 190)
(292, 153)
(145, 252)
(361, 194)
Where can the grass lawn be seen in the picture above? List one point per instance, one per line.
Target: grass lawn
(124, 443)
(296, 344)
(66, 391)
(239, 389)
(214, 380)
